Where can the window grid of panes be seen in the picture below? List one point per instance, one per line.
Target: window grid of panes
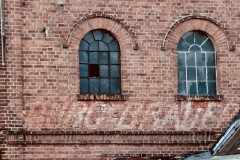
(99, 58)
(196, 65)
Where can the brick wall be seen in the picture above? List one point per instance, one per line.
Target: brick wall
(3, 100)
(41, 80)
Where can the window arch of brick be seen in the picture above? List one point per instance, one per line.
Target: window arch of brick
(196, 22)
(117, 28)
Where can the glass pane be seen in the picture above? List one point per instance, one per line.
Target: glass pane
(103, 46)
(181, 73)
(211, 88)
(104, 86)
(208, 46)
(211, 73)
(103, 58)
(115, 86)
(89, 37)
(182, 45)
(94, 85)
(181, 59)
(115, 71)
(200, 38)
(202, 88)
(195, 49)
(210, 59)
(98, 34)
(107, 37)
(94, 70)
(201, 73)
(83, 57)
(94, 46)
(192, 88)
(83, 46)
(93, 57)
(189, 37)
(83, 85)
(191, 73)
(200, 59)
(114, 58)
(83, 70)
(182, 88)
(190, 59)
(113, 46)
(104, 71)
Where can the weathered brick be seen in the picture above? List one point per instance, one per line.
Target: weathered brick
(39, 87)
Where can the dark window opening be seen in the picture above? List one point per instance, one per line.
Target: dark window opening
(94, 70)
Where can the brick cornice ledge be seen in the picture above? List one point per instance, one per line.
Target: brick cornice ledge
(109, 137)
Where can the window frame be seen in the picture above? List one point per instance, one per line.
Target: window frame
(187, 93)
(109, 95)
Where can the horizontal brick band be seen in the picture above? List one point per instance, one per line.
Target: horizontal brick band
(57, 132)
(157, 156)
(109, 137)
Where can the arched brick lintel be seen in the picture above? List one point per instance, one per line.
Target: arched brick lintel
(119, 29)
(196, 22)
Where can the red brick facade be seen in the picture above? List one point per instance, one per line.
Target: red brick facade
(43, 115)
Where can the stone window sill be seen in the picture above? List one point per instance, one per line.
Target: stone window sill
(102, 97)
(199, 98)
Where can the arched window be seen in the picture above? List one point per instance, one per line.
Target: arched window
(99, 58)
(196, 64)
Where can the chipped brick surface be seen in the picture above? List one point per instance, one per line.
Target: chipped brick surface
(39, 87)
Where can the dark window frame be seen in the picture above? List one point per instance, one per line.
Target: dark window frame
(110, 78)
